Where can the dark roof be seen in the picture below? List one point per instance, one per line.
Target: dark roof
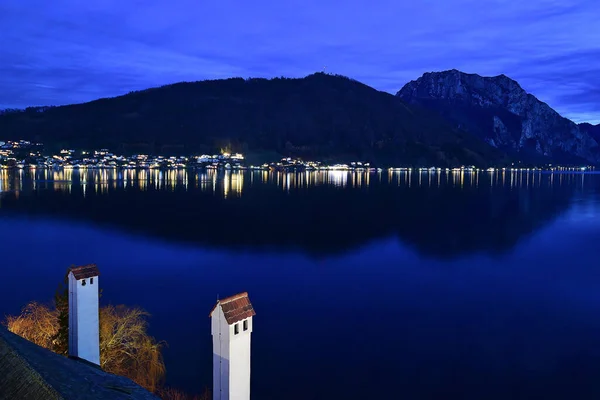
(29, 372)
(85, 271)
(236, 308)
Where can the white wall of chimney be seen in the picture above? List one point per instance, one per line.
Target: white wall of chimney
(84, 335)
(220, 335)
(231, 358)
(239, 368)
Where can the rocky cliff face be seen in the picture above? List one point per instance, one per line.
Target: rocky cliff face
(499, 111)
(592, 130)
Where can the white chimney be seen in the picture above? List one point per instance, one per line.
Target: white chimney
(84, 336)
(231, 326)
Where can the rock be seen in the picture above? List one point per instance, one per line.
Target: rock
(498, 110)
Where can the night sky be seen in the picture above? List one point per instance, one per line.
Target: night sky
(67, 51)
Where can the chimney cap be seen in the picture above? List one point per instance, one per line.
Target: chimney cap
(84, 271)
(235, 308)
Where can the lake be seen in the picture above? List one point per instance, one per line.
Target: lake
(366, 285)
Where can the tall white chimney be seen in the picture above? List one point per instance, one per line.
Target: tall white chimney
(231, 326)
(84, 336)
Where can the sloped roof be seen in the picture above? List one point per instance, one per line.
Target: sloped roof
(85, 271)
(235, 308)
(30, 372)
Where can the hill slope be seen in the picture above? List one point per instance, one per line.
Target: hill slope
(500, 112)
(322, 116)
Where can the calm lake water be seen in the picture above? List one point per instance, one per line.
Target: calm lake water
(366, 286)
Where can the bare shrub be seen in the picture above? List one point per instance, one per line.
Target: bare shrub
(37, 323)
(127, 349)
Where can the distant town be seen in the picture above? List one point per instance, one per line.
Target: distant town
(26, 154)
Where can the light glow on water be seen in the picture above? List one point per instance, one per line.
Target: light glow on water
(232, 183)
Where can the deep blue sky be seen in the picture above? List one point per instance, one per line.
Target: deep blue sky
(66, 51)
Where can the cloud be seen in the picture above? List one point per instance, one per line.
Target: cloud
(71, 51)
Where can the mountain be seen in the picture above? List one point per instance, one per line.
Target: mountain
(320, 116)
(500, 112)
(444, 118)
(592, 130)
(9, 110)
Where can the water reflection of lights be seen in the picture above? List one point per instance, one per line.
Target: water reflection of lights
(226, 183)
(4, 186)
(237, 183)
(208, 180)
(337, 178)
(231, 183)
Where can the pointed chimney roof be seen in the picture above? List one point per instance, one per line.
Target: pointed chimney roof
(235, 308)
(85, 271)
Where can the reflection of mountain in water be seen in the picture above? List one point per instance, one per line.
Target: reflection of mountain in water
(440, 215)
